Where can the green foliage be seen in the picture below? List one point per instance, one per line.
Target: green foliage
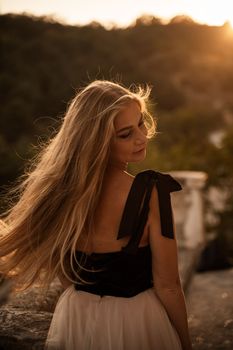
(183, 140)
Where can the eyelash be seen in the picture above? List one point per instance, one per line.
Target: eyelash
(129, 133)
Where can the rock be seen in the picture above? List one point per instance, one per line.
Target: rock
(25, 319)
(210, 310)
(23, 329)
(36, 299)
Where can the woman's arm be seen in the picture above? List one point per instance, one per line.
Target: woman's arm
(166, 277)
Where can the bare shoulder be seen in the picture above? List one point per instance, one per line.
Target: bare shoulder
(164, 249)
(120, 185)
(128, 178)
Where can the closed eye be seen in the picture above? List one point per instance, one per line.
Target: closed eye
(124, 136)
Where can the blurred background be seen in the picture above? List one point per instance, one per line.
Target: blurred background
(182, 49)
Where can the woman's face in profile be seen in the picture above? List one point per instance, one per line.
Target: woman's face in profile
(129, 141)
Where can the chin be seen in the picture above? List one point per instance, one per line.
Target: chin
(139, 156)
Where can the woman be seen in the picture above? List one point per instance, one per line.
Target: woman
(104, 233)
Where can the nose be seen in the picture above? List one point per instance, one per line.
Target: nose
(141, 137)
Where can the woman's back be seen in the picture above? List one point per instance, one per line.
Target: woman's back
(108, 216)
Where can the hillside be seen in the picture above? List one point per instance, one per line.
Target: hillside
(185, 62)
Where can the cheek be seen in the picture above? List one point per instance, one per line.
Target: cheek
(120, 149)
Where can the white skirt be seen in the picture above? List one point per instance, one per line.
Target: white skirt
(84, 321)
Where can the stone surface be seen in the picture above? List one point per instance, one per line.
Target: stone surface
(210, 310)
(23, 329)
(36, 299)
(26, 317)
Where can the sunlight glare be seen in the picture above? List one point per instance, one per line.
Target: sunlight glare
(124, 12)
(231, 22)
(212, 13)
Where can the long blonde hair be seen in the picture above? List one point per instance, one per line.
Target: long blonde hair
(59, 195)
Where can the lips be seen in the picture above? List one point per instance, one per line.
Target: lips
(140, 150)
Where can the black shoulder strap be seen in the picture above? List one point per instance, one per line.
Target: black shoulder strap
(165, 184)
(132, 206)
(137, 206)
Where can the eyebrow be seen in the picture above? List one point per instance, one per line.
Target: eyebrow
(129, 127)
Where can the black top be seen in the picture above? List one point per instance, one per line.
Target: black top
(128, 272)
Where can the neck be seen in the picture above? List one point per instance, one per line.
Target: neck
(117, 166)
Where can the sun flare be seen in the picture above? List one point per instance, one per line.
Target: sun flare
(212, 13)
(230, 21)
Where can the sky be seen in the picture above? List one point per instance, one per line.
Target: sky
(123, 12)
